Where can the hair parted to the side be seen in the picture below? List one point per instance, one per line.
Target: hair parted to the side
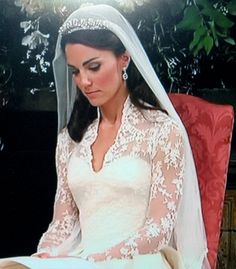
(83, 112)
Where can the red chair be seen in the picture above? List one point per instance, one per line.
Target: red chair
(209, 127)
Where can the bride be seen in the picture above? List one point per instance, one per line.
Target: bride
(127, 194)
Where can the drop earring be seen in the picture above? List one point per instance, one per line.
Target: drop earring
(124, 75)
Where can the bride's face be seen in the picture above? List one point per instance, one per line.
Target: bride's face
(97, 73)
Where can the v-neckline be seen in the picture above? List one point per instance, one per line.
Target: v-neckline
(109, 149)
(126, 106)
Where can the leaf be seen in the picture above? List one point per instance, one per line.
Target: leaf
(219, 18)
(208, 44)
(197, 36)
(198, 48)
(192, 19)
(222, 21)
(232, 7)
(222, 33)
(209, 11)
(213, 31)
(230, 41)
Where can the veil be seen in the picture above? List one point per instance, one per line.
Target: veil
(189, 233)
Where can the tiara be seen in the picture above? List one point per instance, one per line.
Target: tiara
(82, 24)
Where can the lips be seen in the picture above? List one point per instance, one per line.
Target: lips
(91, 93)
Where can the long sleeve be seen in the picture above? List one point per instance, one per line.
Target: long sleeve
(65, 215)
(165, 192)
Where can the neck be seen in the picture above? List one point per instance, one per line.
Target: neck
(111, 112)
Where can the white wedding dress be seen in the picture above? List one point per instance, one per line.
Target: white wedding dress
(128, 209)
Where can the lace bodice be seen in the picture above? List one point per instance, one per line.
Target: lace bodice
(129, 207)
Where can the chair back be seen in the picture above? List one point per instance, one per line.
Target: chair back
(209, 127)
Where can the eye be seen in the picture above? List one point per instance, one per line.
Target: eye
(75, 71)
(94, 66)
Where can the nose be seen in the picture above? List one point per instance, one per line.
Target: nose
(82, 80)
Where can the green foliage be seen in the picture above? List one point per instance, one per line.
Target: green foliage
(192, 19)
(210, 23)
(188, 36)
(180, 36)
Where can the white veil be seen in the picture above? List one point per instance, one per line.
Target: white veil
(189, 233)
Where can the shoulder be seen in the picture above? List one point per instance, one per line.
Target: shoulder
(64, 141)
(159, 120)
(167, 134)
(164, 129)
(63, 136)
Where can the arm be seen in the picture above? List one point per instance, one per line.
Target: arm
(65, 215)
(165, 192)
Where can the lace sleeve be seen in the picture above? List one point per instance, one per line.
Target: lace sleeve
(65, 211)
(165, 192)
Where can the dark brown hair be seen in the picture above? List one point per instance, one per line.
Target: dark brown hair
(83, 112)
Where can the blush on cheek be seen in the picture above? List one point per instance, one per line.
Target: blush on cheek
(103, 78)
(108, 75)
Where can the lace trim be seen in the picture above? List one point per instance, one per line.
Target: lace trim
(150, 136)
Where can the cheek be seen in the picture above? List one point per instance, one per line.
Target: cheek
(108, 75)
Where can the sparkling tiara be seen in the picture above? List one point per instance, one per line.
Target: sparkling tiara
(82, 24)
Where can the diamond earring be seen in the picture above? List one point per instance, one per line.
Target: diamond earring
(124, 75)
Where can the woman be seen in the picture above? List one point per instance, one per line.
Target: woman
(127, 193)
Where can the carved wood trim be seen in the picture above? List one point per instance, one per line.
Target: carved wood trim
(227, 248)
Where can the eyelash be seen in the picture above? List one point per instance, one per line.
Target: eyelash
(75, 72)
(93, 67)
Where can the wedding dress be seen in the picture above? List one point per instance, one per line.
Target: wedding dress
(189, 235)
(128, 207)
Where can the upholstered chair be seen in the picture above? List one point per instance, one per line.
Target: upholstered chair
(209, 127)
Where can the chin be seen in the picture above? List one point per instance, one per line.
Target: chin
(95, 103)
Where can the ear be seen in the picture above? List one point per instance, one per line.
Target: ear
(125, 59)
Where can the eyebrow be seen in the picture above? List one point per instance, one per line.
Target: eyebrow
(85, 63)
(90, 60)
